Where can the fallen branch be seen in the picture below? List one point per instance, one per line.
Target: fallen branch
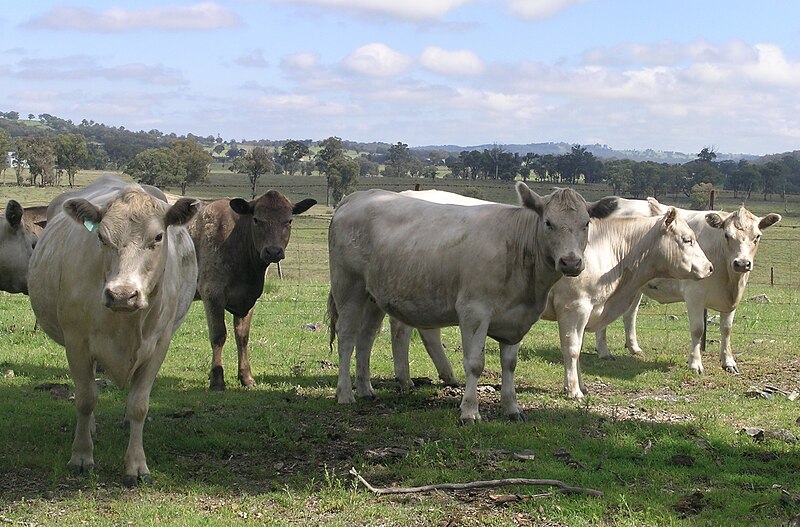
(563, 487)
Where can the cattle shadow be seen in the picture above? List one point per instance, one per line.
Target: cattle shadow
(623, 366)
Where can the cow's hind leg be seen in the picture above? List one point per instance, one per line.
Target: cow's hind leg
(241, 328)
(726, 353)
(82, 370)
(217, 334)
(371, 320)
(697, 322)
(508, 392)
(348, 299)
(401, 337)
(432, 340)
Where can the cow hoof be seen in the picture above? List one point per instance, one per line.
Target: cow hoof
(133, 481)
(470, 421)
(734, 370)
(518, 417)
(77, 470)
(247, 383)
(368, 397)
(217, 377)
(606, 357)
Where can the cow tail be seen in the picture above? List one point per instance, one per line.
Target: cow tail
(332, 317)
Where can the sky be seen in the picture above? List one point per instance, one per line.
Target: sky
(673, 75)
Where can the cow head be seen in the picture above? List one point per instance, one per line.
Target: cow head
(564, 224)
(741, 232)
(683, 256)
(16, 247)
(270, 222)
(132, 236)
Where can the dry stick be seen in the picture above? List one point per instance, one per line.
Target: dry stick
(477, 485)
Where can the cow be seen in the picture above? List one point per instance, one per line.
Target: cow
(623, 253)
(17, 241)
(111, 279)
(730, 240)
(487, 269)
(235, 241)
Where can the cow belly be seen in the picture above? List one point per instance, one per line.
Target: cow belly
(664, 291)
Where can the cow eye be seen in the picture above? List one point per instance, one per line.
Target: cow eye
(159, 237)
(287, 223)
(101, 239)
(548, 224)
(255, 220)
(687, 239)
(757, 239)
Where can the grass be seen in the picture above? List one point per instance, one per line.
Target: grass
(279, 454)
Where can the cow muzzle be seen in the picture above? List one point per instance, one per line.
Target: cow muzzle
(570, 265)
(272, 254)
(122, 299)
(742, 265)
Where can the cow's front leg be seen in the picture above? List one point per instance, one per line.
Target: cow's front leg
(371, 320)
(432, 340)
(571, 334)
(401, 338)
(82, 370)
(508, 391)
(697, 323)
(473, 340)
(217, 334)
(726, 353)
(241, 329)
(629, 320)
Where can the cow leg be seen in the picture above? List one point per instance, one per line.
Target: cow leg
(82, 370)
(694, 308)
(629, 319)
(136, 407)
(508, 391)
(726, 353)
(217, 334)
(371, 320)
(401, 337)
(241, 329)
(473, 340)
(601, 344)
(349, 297)
(432, 340)
(571, 332)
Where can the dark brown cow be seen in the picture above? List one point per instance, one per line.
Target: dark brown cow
(235, 241)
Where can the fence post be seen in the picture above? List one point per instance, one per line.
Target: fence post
(705, 311)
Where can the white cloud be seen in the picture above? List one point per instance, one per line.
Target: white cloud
(300, 61)
(457, 63)
(404, 9)
(200, 17)
(252, 59)
(82, 67)
(377, 60)
(540, 9)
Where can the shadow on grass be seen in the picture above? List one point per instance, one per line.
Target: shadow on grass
(625, 367)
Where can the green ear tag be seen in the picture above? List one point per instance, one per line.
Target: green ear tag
(90, 225)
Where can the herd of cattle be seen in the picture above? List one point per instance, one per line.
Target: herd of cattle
(428, 259)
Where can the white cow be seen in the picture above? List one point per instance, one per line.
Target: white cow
(111, 279)
(730, 241)
(16, 246)
(486, 268)
(623, 253)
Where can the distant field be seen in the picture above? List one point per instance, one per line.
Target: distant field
(665, 446)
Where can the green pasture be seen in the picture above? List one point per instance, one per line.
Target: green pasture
(665, 446)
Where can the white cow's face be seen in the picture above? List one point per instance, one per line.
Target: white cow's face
(564, 224)
(684, 257)
(741, 231)
(132, 240)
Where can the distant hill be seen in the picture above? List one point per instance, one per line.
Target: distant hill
(600, 151)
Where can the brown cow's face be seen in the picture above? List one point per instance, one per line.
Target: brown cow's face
(270, 221)
(16, 247)
(132, 239)
(742, 231)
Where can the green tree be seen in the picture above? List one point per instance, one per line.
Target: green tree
(292, 152)
(331, 148)
(5, 147)
(399, 161)
(255, 164)
(160, 167)
(71, 151)
(38, 153)
(343, 176)
(195, 160)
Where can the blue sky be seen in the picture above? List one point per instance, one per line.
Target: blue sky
(662, 74)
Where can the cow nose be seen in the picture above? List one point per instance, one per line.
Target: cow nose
(570, 265)
(272, 254)
(742, 266)
(121, 298)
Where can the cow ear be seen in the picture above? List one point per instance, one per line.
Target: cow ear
(302, 206)
(714, 220)
(241, 207)
(603, 207)
(769, 220)
(14, 213)
(83, 212)
(181, 212)
(529, 198)
(656, 208)
(669, 217)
